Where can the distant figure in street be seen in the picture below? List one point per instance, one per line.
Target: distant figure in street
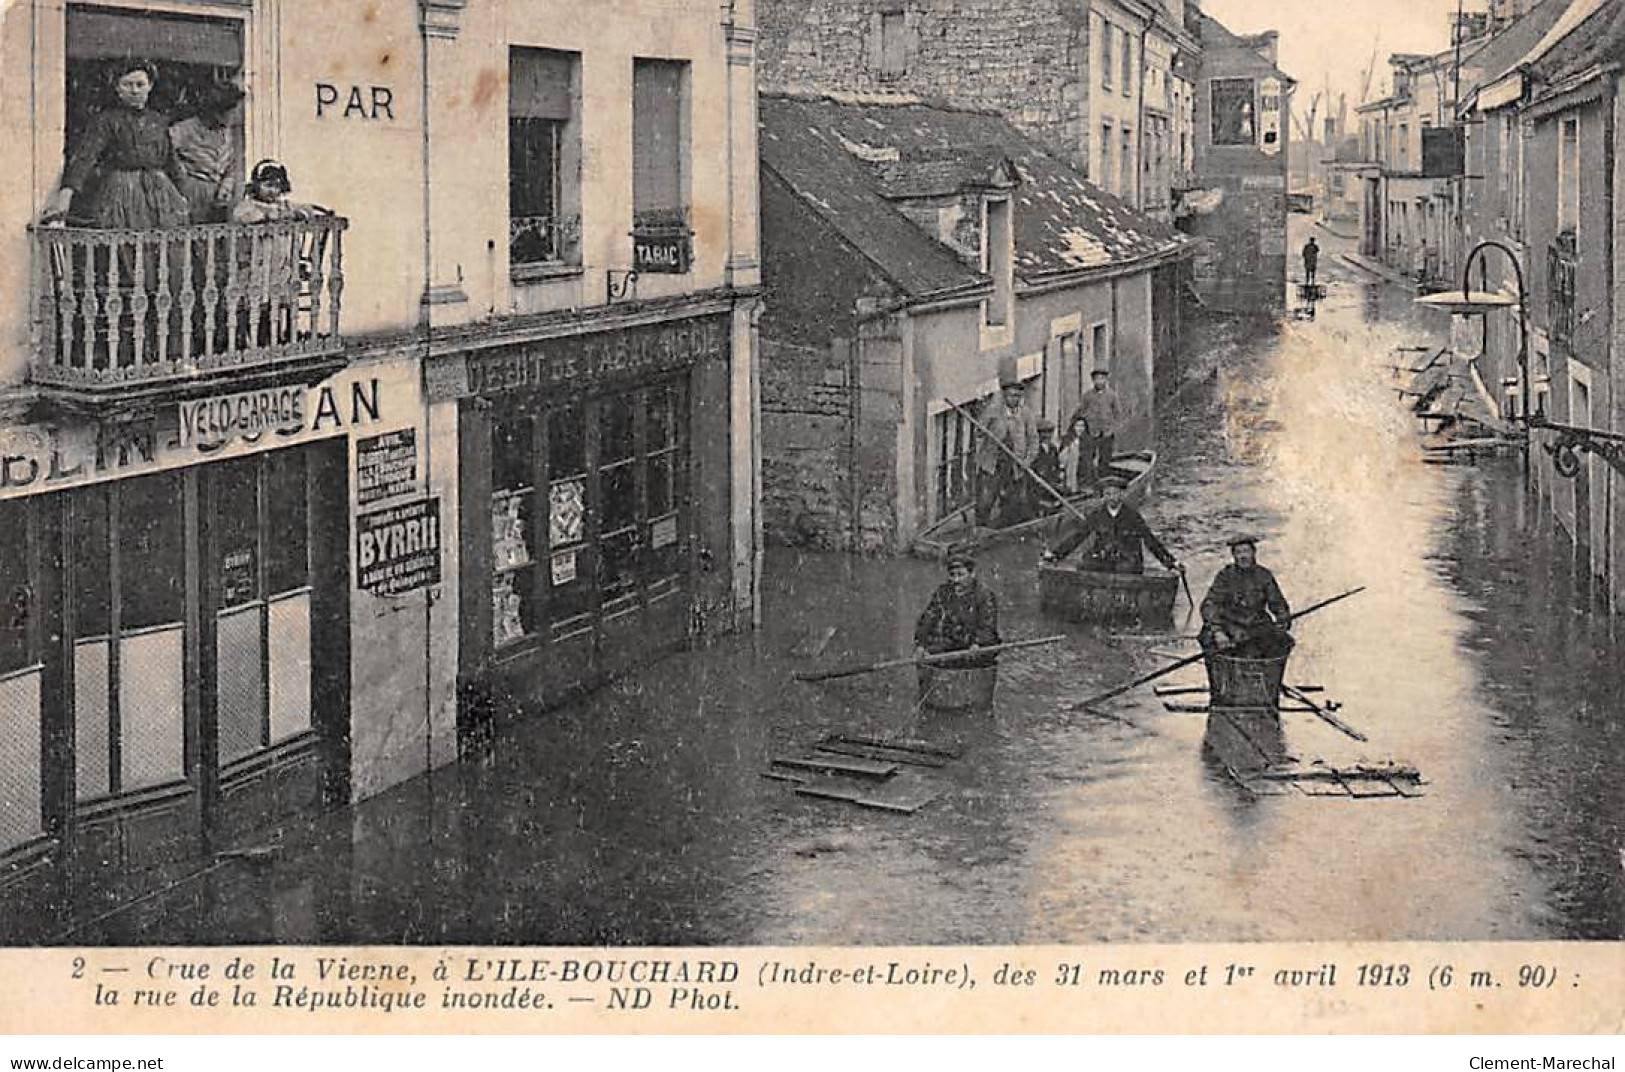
(1101, 412)
(1001, 489)
(1046, 466)
(1244, 613)
(963, 615)
(1311, 260)
(1115, 537)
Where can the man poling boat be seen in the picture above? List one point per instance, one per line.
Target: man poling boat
(1114, 536)
(1244, 611)
(962, 616)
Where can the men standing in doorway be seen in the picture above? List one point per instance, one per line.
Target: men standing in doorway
(1101, 412)
(1311, 260)
(1001, 485)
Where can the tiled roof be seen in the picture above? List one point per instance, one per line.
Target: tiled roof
(854, 160)
(1503, 51)
(1590, 33)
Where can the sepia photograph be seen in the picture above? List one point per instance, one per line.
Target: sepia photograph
(810, 475)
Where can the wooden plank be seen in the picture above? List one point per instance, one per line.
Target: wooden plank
(813, 644)
(1316, 787)
(857, 768)
(1365, 787)
(1178, 690)
(883, 755)
(786, 776)
(901, 743)
(1409, 792)
(904, 796)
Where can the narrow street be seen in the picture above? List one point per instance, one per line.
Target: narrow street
(640, 816)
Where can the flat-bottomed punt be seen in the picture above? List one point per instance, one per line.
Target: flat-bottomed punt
(958, 528)
(1081, 595)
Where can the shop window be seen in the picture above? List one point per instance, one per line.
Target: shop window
(619, 534)
(513, 528)
(660, 166)
(260, 518)
(128, 653)
(663, 464)
(544, 158)
(570, 594)
(1234, 121)
(21, 817)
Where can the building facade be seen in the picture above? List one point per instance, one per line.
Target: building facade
(914, 254)
(1237, 211)
(1549, 115)
(275, 466)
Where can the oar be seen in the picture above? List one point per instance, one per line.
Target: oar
(1182, 663)
(946, 656)
(1323, 714)
(1002, 445)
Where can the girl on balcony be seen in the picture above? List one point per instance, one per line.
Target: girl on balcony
(205, 148)
(278, 264)
(128, 146)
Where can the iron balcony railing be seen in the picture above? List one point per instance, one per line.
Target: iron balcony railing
(116, 309)
(543, 239)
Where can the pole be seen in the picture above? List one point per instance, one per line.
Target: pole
(940, 657)
(1002, 445)
(1171, 667)
(1323, 714)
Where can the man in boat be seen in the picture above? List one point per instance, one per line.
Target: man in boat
(1046, 466)
(1001, 491)
(963, 615)
(1244, 613)
(1117, 536)
(1101, 413)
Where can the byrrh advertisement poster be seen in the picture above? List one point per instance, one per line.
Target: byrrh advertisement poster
(536, 517)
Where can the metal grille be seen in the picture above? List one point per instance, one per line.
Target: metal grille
(90, 730)
(151, 720)
(240, 705)
(19, 759)
(290, 666)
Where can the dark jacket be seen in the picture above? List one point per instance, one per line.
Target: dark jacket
(1046, 464)
(1244, 599)
(1116, 544)
(955, 619)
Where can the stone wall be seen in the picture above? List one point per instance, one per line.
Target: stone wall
(1026, 61)
(806, 464)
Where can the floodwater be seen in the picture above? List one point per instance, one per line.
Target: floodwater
(641, 816)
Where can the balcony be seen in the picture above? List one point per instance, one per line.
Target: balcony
(119, 313)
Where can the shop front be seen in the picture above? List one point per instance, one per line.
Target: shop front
(174, 638)
(594, 481)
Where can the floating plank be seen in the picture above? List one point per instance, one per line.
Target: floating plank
(1315, 787)
(883, 755)
(900, 743)
(1369, 787)
(857, 768)
(1409, 792)
(813, 644)
(786, 776)
(903, 797)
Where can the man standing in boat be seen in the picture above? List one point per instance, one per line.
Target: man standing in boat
(1118, 536)
(1244, 613)
(963, 615)
(1101, 412)
(1001, 490)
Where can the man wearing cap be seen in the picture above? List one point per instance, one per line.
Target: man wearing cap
(1118, 537)
(1001, 491)
(1046, 466)
(1101, 412)
(963, 615)
(1244, 610)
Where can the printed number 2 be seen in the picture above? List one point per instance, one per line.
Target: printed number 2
(78, 967)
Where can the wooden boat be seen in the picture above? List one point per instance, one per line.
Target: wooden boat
(957, 690)
(1081, 595)
(959, 527)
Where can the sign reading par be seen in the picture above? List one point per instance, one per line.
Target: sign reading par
(398, 549)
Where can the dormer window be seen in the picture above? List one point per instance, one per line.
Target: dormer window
(998, 259)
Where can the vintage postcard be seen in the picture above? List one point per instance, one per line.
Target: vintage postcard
(526, 516)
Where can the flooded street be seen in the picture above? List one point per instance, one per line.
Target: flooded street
(640, 816)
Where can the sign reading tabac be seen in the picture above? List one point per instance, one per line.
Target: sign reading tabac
(585, 360)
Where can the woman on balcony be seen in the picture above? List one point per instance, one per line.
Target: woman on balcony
(128, 146)
(205, 148)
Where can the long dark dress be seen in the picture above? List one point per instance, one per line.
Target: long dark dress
(130, 149)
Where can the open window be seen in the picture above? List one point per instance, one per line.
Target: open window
(544, 159)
